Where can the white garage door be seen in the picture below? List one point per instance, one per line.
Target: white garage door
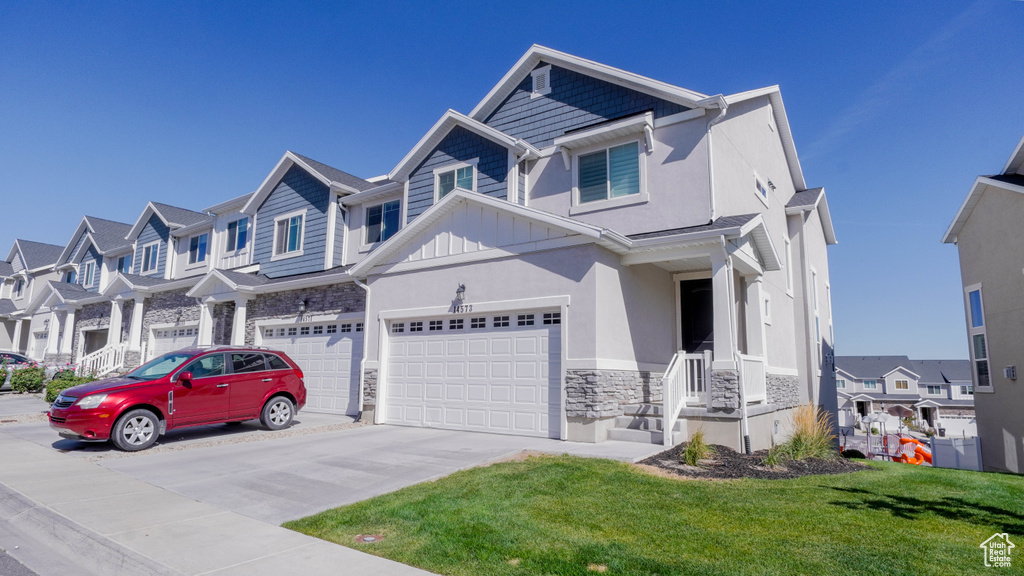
(496, 373)
(170, 339)
(328, 354)
(38, 350)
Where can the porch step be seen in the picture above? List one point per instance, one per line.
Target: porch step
(642, 423)
(643, 410)
(632, 435)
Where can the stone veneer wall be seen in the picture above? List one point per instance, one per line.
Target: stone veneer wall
(127, 309)
(171, 307)
(223, 318)
(783, 391)
(57, 358)
(333, 299)
(603, 393)
(370, 388)
(89, 317)
(725, 390)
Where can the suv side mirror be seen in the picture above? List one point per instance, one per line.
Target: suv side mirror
(184, 377)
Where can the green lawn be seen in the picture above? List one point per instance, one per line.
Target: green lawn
(566, 515)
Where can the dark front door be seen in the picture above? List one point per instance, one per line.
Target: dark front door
(698, 320)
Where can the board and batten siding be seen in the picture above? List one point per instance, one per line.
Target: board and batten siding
(297, 190)
(575, 101)
(460, 145)
(154, 230)
(91, 255)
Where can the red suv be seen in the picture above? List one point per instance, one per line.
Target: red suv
(188, 387)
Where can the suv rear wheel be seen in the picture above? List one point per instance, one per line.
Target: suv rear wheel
(277, 413)
(135, 430)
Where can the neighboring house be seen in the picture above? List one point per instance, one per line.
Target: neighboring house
(534, 267)
(991, 260)
(31, 267)
(939, 392)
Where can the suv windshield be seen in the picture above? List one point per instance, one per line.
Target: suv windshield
(159, 367)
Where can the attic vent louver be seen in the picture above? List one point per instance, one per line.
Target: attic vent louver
(541, 81)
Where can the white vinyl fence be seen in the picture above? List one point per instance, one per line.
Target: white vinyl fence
(959, 453)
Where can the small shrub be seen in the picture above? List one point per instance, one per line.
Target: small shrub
(874, 430)
(696, 449)
(28, 379)
(56, 386)
(812, 438)
(64, 375)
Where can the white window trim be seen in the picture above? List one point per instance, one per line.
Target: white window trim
(302, 236)
(90, 276)
(543, 70)
(365, 228)
(188, 252)
(451, 167)
(117, 267)
(972, 332)
(248, 237)
(762, 182)
(641, 198)
(864, 384)
(19, 295)
(144, 260)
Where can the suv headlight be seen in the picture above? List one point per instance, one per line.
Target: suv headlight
(91, 401)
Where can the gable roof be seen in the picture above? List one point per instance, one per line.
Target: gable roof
(814, 199)
(774, 95)
(331, 177)
(943, 371)
(105, 235)
(604, 237)
(145, 284)
(6, 269)
(1007, 180)
(872, 367)
(35, 255)
(441, 128)
(172, 216)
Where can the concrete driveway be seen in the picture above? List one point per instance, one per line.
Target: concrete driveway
(210, 501)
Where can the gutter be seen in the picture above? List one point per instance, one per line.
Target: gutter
(362, 360)
(713, 102)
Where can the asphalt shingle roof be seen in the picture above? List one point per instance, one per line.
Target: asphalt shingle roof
(7, 306)
(182, 216)
(69, 291)
(6, 269)
(872, 366)
(336, 175)
(109, 235)
(943, 371)
(145, 281)
(805, 198)
(723, 223)
(37, 254)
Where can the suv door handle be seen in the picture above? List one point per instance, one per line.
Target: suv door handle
(266, 380)
(222, 385)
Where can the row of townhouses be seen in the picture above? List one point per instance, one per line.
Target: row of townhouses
(587, 254)
(939, 392)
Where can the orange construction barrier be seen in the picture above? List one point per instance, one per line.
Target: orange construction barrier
(921, 453)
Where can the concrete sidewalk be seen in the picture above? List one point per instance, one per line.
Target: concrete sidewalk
(103, 522)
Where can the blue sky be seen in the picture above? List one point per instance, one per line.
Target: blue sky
(895, 107)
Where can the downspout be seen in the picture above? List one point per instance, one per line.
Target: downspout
(717, 102)
(362, 360)
(734, 344)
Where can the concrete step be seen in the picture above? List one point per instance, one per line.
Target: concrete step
(644, 423)
(632, 435)
(643, 410)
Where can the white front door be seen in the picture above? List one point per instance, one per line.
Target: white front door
(329, 354)
(497, 373)
(170, 339)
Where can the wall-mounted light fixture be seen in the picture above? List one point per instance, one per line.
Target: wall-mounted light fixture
(460, 293)
(302, 306)
(771, 185)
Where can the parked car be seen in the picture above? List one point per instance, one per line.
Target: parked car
(189, 387)
(9, 361)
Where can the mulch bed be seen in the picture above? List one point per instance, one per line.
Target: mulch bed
(726, 463)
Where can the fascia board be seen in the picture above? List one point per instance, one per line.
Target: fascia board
(66, 253)
(283, 165)
(301, 283)
(902, 369)
(439, 130)
(372, 194)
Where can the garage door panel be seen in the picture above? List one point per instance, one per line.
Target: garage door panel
(328, 358)
(496, 378)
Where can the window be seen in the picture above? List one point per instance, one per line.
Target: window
(871, 384)
(552, 318)
(436, 325)
(541, 81)
(500, 321)
(242, 363)
(212, 365)
(346, 328)
(610, 173)
(332, 329)
(238, 232)
(293, 331)
(150, 257)
(525, 320)
(19, 288)
(304, 331)
(382, 221)
(398, 327)
(478, 323)
(449, 178)
(71, 277)
(197, 248)
(415, 326)
(902, 385)
(124, 264)
(288, 235)
(87, 276)
(275, 363)
(318, 329)
(934, 390)
(456, 324)
(978, 335)
(967, 390)
(761, 190)
(359, 326)
(841, 384)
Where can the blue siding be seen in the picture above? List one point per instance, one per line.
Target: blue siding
(575, 101)
(91, 256)
(155, 230)
(296, 191)
(339, 237)
(78, 246)
(460, 145)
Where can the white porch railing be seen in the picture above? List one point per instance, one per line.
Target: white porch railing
(103, 361)
(685, 382)
(752, 378)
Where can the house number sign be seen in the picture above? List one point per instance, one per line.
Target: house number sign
(462, 308)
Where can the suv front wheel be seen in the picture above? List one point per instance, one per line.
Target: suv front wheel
(277, 413)
(136, 430)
